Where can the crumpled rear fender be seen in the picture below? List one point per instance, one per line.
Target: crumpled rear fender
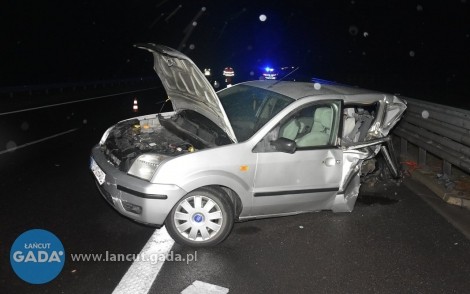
(353, 157)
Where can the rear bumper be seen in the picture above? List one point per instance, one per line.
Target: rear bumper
(135, 198)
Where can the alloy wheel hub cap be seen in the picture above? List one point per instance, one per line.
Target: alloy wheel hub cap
(198, 218)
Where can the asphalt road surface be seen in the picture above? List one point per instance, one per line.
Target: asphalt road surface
(48, 185)
(392, 242)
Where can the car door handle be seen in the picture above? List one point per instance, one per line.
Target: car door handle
(330, 161)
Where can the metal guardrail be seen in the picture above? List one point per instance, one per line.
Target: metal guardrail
(443, 131)
(47, 89)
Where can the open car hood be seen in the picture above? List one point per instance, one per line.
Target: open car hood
(186, 86)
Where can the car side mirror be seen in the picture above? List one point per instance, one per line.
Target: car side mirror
(284, 145)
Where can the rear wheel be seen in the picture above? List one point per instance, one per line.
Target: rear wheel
(203, 217)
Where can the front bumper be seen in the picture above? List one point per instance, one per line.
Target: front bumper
(135, 198)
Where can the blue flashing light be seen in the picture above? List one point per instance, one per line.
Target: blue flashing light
(268, 69)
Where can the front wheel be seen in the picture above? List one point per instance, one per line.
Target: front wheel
(203, 217)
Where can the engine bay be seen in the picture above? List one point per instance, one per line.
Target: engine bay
(173, 135)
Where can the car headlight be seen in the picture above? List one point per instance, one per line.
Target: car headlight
(105, 135)
(145, 165)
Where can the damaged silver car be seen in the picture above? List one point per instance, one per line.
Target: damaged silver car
(255, 150)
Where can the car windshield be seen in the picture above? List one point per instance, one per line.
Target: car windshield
(249, 108)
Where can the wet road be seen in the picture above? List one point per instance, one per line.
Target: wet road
(48, 186)
(392, 242)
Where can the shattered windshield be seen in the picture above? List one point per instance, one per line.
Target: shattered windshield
(249, 108)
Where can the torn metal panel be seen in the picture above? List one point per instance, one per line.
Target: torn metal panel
(352, 161)
(389, 113)
(390, 159)
(344, 202)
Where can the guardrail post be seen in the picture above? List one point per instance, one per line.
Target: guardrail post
(446, 167)
(422, 157)
(403, 146)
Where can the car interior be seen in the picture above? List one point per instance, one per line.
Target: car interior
(309, 127)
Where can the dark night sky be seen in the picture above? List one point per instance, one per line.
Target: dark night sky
(419, 48)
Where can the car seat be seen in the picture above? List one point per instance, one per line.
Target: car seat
(291, 129)
(321, 129)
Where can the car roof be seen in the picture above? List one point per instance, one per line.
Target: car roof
(298, 90)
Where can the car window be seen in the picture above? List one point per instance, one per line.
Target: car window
(250, 108)
(313, 126)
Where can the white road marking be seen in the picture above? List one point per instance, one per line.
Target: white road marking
(76, 101)
(200, 287)
(37, 141)
(140, 276)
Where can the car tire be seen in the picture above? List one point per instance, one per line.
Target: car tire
(202, 218)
